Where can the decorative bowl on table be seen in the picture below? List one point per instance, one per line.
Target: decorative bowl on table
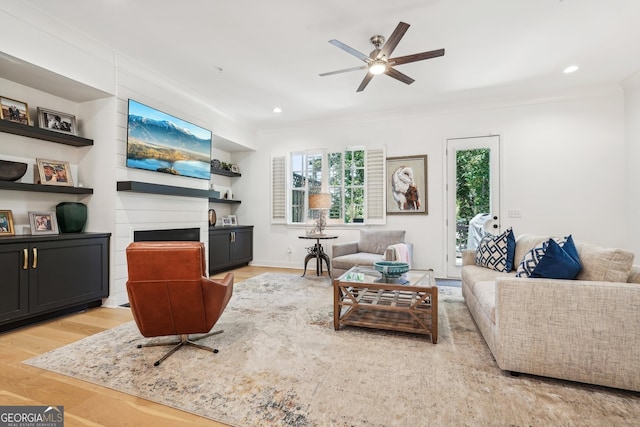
(391, 269)
(12, 171)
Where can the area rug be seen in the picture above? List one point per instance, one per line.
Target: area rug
(281, 363)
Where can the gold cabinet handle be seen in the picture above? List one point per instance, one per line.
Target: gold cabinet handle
(35, 258)
(25, 262)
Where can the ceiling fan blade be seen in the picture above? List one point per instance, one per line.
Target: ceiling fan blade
(416, 57)
(391, 72)
(346, 70)
(350, 50)
(365, 82)
(393, 40)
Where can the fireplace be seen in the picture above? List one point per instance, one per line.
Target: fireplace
(175, 234)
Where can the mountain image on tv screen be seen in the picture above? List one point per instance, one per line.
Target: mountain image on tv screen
(159, 142)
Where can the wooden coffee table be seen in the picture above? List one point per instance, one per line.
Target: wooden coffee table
(361, 297)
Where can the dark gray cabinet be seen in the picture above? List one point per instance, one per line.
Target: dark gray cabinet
(230, 247)
(45, 276)
(15, 282)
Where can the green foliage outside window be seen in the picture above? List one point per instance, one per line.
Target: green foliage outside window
(335, 185)
(354, 186)
(345, 179)
(473, 183)
(473, 189)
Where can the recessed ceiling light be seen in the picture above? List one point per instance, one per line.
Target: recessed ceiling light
(570, 69)
(277, 110)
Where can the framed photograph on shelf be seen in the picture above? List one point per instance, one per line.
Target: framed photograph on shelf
(14, 111)
(233, 219)
(54, 172)
(57, 121)
(6, 223)
(43, 223)
(406, 185)
(235, 169)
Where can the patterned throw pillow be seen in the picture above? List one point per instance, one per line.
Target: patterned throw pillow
(555, 258)
(497, 252)
(530, 260)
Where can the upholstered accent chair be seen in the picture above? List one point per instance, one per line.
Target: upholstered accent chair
(372, 246)
(170, 293)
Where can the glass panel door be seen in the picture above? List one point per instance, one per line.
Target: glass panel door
(473, 195)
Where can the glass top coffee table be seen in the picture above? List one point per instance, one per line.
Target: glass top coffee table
(362, 297)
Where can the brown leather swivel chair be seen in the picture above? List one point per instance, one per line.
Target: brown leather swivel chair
(170, 294)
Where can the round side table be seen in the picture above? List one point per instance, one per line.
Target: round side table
(318, 253)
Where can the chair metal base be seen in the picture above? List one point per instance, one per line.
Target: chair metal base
(184, 340)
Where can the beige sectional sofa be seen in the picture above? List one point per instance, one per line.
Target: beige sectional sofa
(585, 330)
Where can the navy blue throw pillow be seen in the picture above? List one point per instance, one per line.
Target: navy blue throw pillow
(557, 262)
(570, 248)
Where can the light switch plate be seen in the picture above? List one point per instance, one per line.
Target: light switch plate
(514, 213)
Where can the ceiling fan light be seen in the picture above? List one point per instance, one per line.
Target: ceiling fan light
(377, 67)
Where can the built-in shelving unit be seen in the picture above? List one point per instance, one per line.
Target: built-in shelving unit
(224, 172)
(43, 134)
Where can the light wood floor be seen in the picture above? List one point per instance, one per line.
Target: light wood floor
(84, 404)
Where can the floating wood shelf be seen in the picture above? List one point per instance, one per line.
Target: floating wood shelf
(43, 134)
(168, 190)
(60, 189)
(224, 172)
(216, 200)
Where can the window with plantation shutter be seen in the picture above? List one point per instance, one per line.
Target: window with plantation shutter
(375, 186)
(354, 178)
(278, 190)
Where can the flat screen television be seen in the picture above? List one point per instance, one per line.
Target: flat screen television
(159, 142)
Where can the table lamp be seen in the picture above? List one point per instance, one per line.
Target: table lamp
(321, 202)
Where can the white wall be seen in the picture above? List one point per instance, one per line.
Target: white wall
(632, 156)
(84, 60)
(561, 166)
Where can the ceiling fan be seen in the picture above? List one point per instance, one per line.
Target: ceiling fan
(379, 61)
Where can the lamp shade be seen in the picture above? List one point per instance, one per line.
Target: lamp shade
(320, 201)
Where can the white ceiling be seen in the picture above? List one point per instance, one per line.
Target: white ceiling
(271, 52)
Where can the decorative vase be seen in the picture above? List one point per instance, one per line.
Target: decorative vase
(213, 218)
(12, 171)
(72, 217)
